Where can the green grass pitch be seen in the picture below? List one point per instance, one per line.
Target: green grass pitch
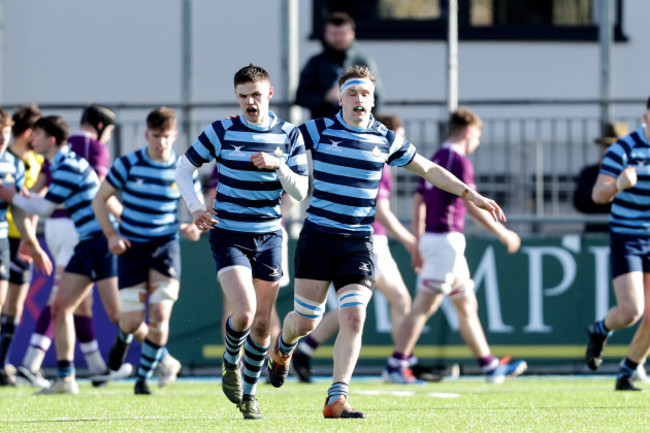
(524, 404)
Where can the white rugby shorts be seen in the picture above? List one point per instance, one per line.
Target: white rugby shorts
(384, 262)
(444, 263)
(61, 238)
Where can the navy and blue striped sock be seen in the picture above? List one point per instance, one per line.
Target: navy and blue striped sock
(254, 356)
(151, 354)
(65, 368)
(234, 341)
(337, 390)
(627, 369)
(284, 347)
(599, 328)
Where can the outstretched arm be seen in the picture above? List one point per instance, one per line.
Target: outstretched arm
(507, 237)
(446, 181)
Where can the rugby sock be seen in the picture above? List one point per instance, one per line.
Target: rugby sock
(285, 348)
(398, 361)
(488, 363)
(35, 353)
(151, 354)
(308, 345)
(627, 369)
(599, 328)
(44, 325)
(65, 368)
(89, 347)
(336, 390)
(254, 356)
(234, 342)
(40, 341)
(8, 327)
(120, 346)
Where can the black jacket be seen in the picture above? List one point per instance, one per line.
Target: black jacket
(322, 71)
(582, 198)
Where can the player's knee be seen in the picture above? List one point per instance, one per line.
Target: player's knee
(133, 299)
(242, 319)
(159, 328)
(304, 326)
(164, 291)
(631, 314)
(353, 319)
(260, 326)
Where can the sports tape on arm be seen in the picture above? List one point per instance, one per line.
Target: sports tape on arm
(185, 183)
(294, 184)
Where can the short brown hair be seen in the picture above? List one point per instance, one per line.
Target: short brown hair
(461, 119)
(356, 71)
(340, 18)
(392, 121)
(5, 119)
(251, 73)
(161, 118)
(54, 126)
(24, 118)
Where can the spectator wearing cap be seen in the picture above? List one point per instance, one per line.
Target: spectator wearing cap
(587, 178)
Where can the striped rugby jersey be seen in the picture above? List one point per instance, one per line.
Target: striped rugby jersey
(75, 184)
(348, 164)
(12, 170)
(248, 199)
(150, 196)
(630, 212)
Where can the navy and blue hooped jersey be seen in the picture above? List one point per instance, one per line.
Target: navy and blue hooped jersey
(75, 184)
(630, 213)
(12, 171)
(348, 165)
(150, 196)
(248, 199)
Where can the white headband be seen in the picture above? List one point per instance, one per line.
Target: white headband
(361, 83)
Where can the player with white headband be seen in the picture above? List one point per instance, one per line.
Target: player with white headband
(335, 244)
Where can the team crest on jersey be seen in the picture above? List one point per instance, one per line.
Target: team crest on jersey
(139, 182)
(334, 146)
(174, 186)
(376, 152)
(9, 178)
(237, 151)
(278, 153)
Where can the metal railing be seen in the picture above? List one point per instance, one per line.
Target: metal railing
(527, 161)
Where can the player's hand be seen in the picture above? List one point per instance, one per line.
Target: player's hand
(511, 240)
(204, 220)
(7, 192)
(488, 205)
(190, 231)
(33, 253)
(118, 244)
(265, 161)
(416, 261)
(627, 178)
(411, 244)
